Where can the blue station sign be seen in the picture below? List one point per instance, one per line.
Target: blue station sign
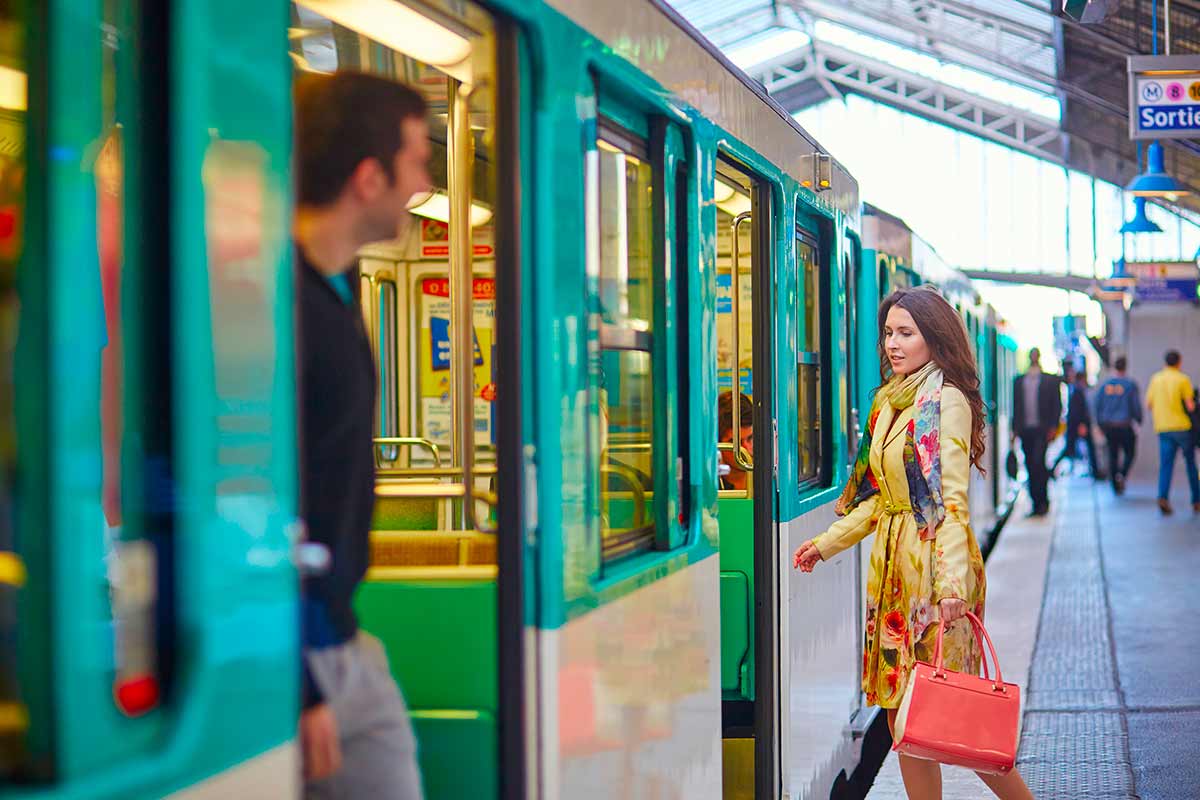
(1164, 97)
(1165, 281)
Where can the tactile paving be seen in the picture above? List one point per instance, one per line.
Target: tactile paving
(1082, 752)
(1075, 756)
(1072, 663)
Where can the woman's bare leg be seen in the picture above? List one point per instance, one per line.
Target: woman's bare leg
(922, 779)
(1007, 787)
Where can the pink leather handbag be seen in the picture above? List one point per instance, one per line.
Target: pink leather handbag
(960, 719)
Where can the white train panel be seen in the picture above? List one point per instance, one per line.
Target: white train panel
(630, 695)
(819, 623)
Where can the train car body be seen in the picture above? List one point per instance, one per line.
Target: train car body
(580, 570)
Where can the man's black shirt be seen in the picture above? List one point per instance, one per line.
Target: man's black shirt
(337, 387)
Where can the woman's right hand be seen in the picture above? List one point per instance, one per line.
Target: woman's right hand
(806, 557)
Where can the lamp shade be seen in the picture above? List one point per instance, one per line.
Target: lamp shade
(1140, 222)
(1155, 182)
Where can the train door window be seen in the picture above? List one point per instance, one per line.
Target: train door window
(732, 193)
(135, 395)
(809, 363)
(626, 269)
(135, 377)
(86, 326)
(14, 714)
(850, 311)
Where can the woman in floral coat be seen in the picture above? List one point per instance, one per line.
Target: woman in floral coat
(909, 487)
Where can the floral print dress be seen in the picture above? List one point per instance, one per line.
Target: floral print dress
(912, 571)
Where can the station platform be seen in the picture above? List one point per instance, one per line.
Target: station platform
(1095, 612)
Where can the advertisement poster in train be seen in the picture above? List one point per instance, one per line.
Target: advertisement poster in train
(725, 332)
(434, 411)
(435, 240)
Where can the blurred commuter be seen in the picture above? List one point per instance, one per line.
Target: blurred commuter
(738, 477)
(1079, 425)
(1169, 398)
(1037, 409)
(362, 148)
(1117, 409)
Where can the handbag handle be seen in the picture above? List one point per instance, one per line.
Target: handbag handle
(987, 675)
(939, 670)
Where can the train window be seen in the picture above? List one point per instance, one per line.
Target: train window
(732, 192)
(850, 348)
(97, 323)
(809, 358)
(624, 235)
(428, 298)
(14, 715)
(683, 334)
(137, 439)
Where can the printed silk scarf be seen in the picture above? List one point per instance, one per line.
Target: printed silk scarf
(922, 453)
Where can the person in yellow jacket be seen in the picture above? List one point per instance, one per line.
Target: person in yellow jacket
(909, 488)
(1169, 398)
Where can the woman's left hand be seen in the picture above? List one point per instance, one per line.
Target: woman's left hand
(951, 609)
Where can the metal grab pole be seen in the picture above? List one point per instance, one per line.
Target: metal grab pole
(462, 382)
(735, 405)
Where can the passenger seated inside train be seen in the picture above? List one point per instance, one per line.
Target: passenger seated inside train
(738, 476)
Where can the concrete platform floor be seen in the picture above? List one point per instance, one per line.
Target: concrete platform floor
(1095, 610)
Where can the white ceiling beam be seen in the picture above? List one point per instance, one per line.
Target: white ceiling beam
(853, 72)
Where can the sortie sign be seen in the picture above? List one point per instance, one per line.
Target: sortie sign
(1164, 97)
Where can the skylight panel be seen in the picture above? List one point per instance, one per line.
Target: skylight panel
(768, 45)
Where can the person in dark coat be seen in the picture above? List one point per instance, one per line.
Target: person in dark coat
(1079, 425)
(1117, 410)
(1037, 409)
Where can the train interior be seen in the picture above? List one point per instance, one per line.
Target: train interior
(430, 593)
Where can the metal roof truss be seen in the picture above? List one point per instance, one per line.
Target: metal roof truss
(837, 70)
(951, 31)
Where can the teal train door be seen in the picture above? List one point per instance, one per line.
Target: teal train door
(146, 489)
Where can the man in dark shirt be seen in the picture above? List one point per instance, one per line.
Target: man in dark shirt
(1037, 409)
(1079, 425)
(1117, 409)
(362, 147)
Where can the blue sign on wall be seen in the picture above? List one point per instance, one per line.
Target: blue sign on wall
(1166, 290)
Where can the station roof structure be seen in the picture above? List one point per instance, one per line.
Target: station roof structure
(1017, 72)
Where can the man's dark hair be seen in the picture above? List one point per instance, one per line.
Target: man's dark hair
(1120, 364)
(342, 120)
(1172, 358)
(725, 408)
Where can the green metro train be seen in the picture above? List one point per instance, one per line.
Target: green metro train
(576, 598)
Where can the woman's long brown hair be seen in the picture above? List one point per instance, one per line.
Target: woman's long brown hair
(946, 337)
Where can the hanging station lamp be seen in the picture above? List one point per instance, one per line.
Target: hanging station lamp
(1140, 222)
(1155, 182)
